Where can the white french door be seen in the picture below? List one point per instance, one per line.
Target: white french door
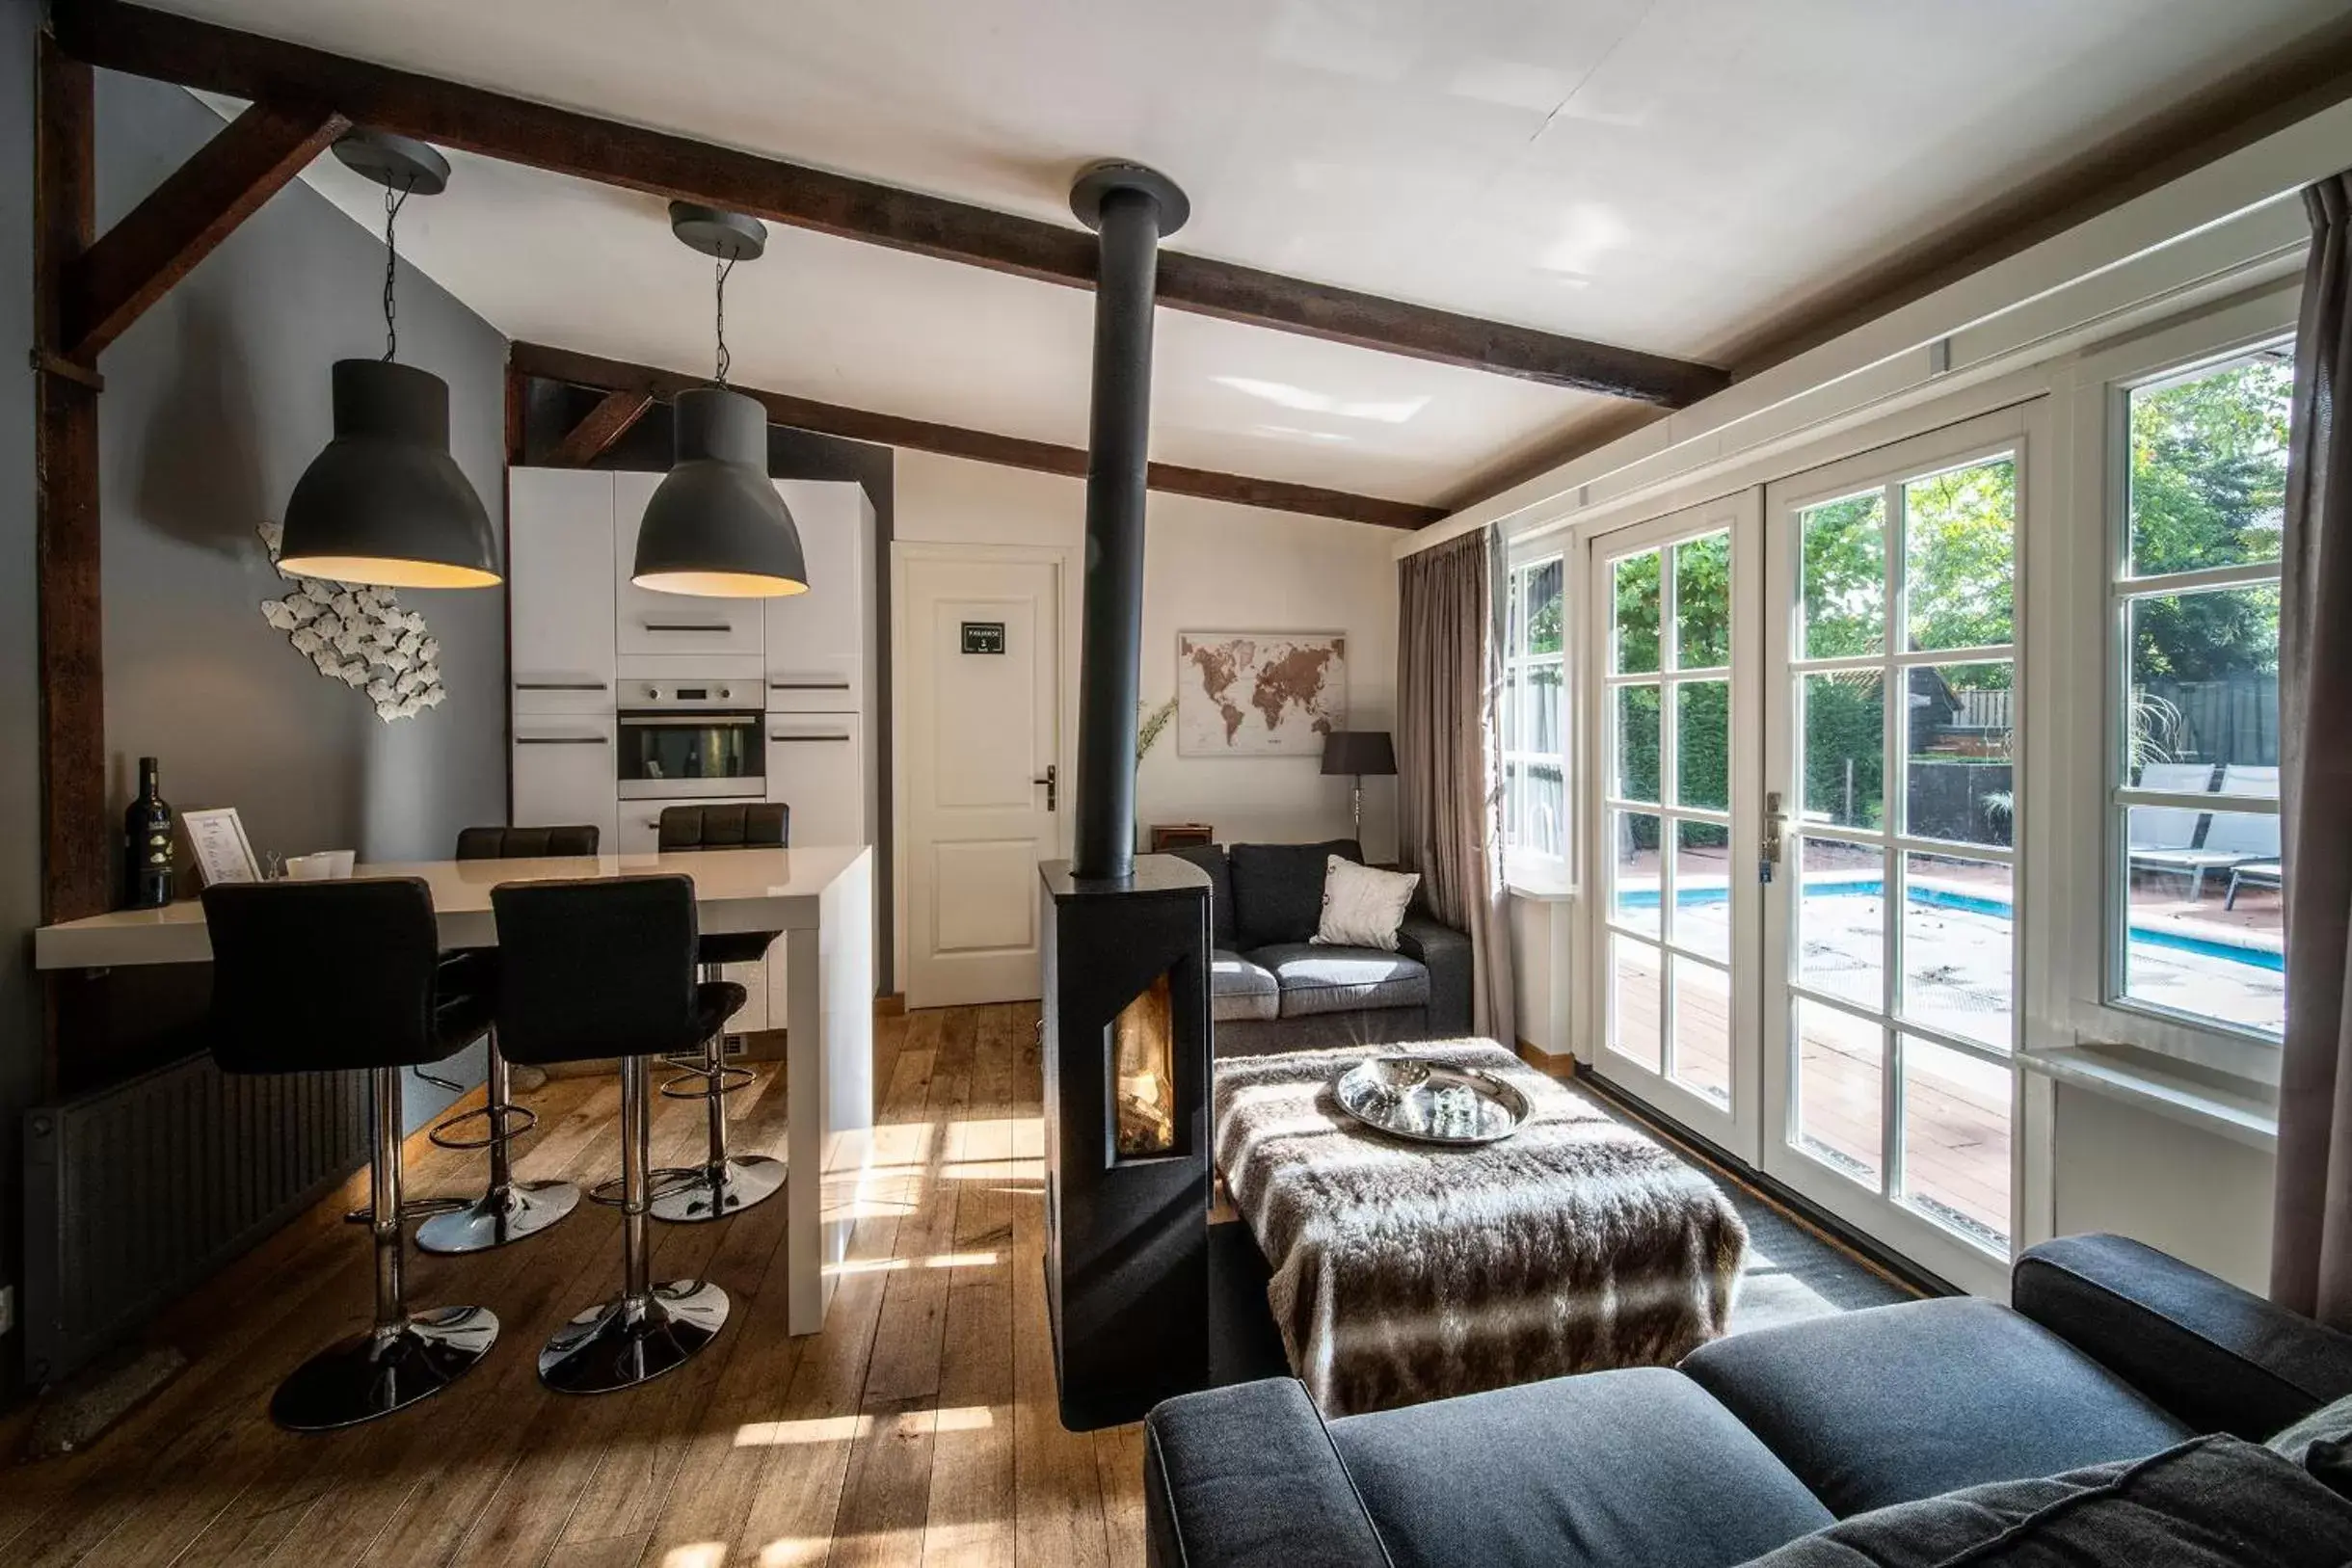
(1892, 776)
(1803, 819)
(1674, 689)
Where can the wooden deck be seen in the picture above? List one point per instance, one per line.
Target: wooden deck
(919, 1427)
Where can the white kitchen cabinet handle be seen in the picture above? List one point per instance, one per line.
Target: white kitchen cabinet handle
(560, 740)
(562, 686)
(808, 685)
(808, 737)
(688, 625)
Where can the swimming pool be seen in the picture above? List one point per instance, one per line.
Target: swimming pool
(2253, 953)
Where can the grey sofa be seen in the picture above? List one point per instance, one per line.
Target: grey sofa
(1273, 989)
(1924, 1433)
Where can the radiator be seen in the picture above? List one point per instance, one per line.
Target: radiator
(136, 1193)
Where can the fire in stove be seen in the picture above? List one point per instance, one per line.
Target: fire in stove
(1144, 1057)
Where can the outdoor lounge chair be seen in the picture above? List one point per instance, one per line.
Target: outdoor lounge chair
(2217, 841)
(2259, 874)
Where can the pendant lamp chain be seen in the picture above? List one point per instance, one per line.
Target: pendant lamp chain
(725, 359)
(393, 198)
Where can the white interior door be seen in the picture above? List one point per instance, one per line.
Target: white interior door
(1673, 690)
(1891, 929)
(979, 660)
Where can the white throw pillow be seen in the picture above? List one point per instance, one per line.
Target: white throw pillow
(1361, 906)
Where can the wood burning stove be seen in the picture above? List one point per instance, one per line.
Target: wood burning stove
(1127, 1157)
(1126, 940)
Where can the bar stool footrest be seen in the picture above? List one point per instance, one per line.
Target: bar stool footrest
(441, 1137)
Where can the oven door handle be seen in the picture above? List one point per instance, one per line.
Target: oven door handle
(691, 721)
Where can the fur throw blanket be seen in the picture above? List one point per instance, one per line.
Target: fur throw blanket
(1404, 1272)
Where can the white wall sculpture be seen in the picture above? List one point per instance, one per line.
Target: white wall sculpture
(359, 636)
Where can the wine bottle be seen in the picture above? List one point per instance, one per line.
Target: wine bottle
(147, 843)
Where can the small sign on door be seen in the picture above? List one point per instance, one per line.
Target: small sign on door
(984, 636)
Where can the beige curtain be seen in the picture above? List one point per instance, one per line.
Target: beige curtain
(1449, 762)
(2311, 1267)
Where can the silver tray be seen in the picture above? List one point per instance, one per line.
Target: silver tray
(1430, 1101)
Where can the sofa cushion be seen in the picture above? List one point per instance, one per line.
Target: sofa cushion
(1239, 989)
(1211, 858)
(1895, 1403)
(1624, 1469)
(1342, 979)
(2211, 1503)
(1277, 890)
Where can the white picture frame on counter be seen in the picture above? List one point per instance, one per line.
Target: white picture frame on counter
(216, 838)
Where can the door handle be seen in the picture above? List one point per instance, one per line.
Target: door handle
(1052, 788)
(1770, 851)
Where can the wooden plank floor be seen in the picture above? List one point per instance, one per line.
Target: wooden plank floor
(919, 1427)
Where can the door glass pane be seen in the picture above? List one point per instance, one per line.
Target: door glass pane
(1637, 743)
(1956, 1140)
(1840, 1087)
(2208, 467)
(1702, 889)
(1634, 981)
(1845, 734)
(2204, 929)
(1960, 555)
(1703, 1029)
(1702, 744)
(1959, 946)
(1702, 602)
(1841, 920)
(1633, 877)
(1958, 779)
(2204, 690)
(1845, 577)
(1634, 633)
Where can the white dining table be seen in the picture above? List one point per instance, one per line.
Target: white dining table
(820, 897)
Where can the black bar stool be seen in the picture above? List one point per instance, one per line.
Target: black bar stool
(325, 977)
(725, 1183)
(509, 1210)
(606, 967)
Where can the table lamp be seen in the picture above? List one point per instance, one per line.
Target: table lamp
(1358, 752)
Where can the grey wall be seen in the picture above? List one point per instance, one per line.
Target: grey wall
(20, 686)
(215, 402)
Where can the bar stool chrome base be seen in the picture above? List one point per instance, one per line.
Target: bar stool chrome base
(717, 1190)
(630, 1341)
(382, 1371)
(500, 1215)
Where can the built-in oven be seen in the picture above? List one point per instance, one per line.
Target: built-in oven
(690, 740)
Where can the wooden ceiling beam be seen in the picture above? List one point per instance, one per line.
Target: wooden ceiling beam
(196, 54)
(599, 428)
(160, 241)
(617, 378)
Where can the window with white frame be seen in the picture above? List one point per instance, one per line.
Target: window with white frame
(1534, 784)
(2194, 895)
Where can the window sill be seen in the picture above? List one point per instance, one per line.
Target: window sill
(2240, 1117)
(1539, 883)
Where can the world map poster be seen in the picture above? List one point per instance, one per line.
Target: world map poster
(1259, 693)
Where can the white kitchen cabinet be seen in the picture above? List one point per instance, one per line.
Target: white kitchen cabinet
(564, 772)
(560, 590)
(816, 765)
(649, 623)
(817, 643)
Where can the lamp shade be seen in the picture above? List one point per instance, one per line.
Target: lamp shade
(1363, 753)
(715, 526)
(383, 502)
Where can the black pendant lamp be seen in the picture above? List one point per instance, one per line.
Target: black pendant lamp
(715, 527)
(384, 503)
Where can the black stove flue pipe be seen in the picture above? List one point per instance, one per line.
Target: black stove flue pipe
(1131, 207)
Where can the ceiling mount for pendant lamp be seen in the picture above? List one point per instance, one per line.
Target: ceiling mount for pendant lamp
(715, 527)
(384, 503)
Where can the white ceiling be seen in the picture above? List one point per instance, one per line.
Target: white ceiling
(1665, 173)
